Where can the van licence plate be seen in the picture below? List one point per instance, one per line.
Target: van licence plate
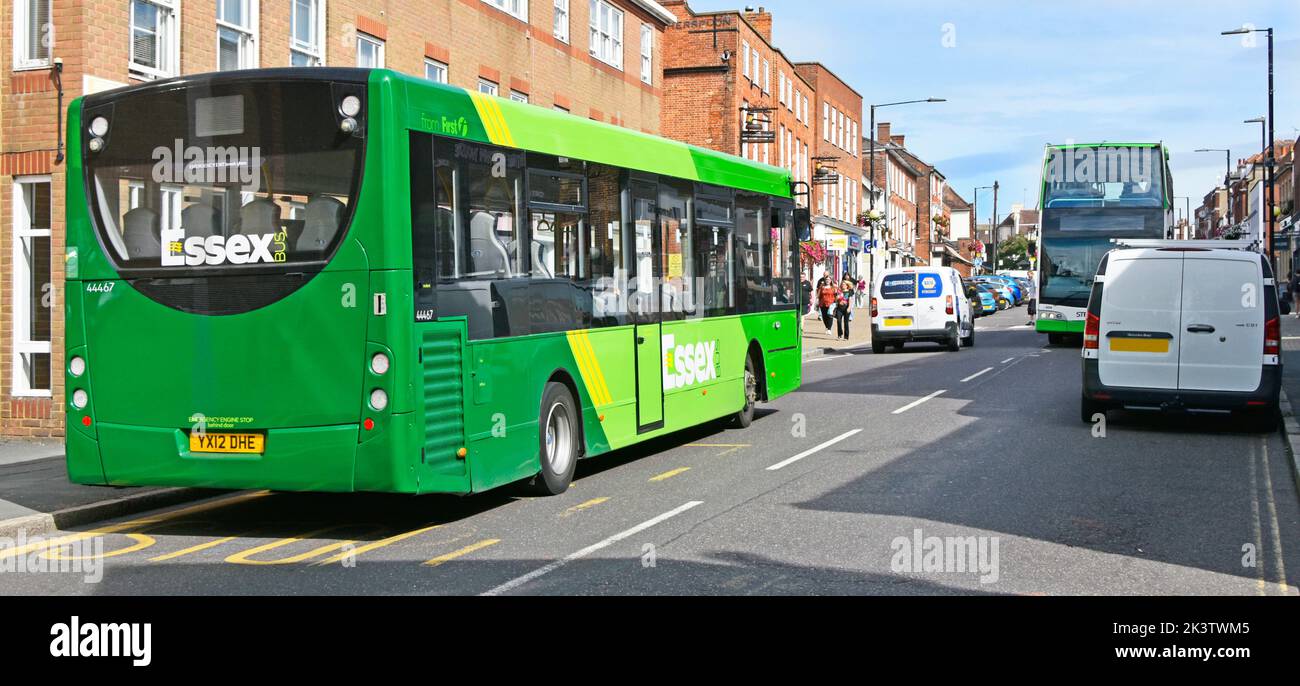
(226, 442)
(1140, 345)
(898, 321)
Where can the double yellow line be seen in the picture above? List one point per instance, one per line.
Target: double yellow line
(580, 344)
(489, 110)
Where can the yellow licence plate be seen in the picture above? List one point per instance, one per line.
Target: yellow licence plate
(226, 443)
(898, 321)
(1140, 345)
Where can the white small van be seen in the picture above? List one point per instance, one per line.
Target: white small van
(1183, 326)
(920, 304)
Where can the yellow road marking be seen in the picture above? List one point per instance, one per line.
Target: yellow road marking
(1278, 558)
(193, 549)
(1260, 584)
(243, 557)
(582, 506)
(141, 542)
(132, 524)
(670, 473)
(375, 545)
(463, 551)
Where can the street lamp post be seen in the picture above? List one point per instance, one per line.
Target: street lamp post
(871, 155)
(1268, 183)
(975, 210)
(1227, 172)
(994, 235)
(1268, 154)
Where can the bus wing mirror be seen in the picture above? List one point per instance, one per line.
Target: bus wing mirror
(803, 223)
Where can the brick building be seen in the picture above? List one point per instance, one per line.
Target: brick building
(552, 53)
(720, 71)
(900, 182)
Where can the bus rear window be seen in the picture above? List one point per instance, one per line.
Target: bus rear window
(210, 177)
(895, 286)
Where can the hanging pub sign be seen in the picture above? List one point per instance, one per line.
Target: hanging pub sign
(756, 125)
(825, 172)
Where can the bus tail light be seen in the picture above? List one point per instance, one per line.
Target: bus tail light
(1272, 337)
(1091, 332)
(947, 304)
(874, 312)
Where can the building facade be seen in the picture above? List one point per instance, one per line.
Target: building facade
(596, 58)
(724, 78)
(899, 182)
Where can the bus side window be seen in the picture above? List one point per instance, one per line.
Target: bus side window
(423, 221)
(606, 241)
(754, 247)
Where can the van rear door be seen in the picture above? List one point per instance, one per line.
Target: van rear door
(1222, 321)
(931, 308)
(1141, 309)
(897, 301)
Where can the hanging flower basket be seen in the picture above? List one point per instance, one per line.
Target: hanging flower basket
(812, 251)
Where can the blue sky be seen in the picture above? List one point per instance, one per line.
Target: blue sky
(1023, 74)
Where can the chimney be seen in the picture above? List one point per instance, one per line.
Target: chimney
(761, 21)
(882, 132)
(897, 140)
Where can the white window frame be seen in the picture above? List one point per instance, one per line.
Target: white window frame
(315, 53)
(647, 53)
(744, 47)
(430, 63)
(488, 87)
(767, 77)
(519, 11)
(22, 343)
(606, 45)
(248, 50)
(379, 49)
(169, 40)
(826, 121)
(517, 96)
(561, 21)
(22, 44)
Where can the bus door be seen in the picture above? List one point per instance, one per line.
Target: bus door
(643, 302)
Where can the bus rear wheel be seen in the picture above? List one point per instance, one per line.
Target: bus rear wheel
(558, 439)
(745, 416)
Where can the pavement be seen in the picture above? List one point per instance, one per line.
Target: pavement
(36, 497)
(976, 458)
(817, 342)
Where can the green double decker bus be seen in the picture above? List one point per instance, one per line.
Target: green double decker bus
(1092, 193)
(357, 280)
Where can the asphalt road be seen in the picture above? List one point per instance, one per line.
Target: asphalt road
(828, 492)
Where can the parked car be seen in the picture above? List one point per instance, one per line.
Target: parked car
(1183, 328)
(921, 304)
(983, 301)
(1000, 296)
(1018, 293)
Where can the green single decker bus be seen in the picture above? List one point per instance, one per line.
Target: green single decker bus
(357, 280)
(1092, 193)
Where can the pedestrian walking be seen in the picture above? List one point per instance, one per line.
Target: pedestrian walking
(826, 301)
(1295, 294)
(806, 290)
(844, 309)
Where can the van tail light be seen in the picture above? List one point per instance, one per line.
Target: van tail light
(874, 311)
(1091, 332)
(947, 304)
(1272, 337)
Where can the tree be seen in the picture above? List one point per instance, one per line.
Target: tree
(1013, 253)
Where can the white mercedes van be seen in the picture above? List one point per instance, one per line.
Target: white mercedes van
(1183, 326)
(920, 304)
